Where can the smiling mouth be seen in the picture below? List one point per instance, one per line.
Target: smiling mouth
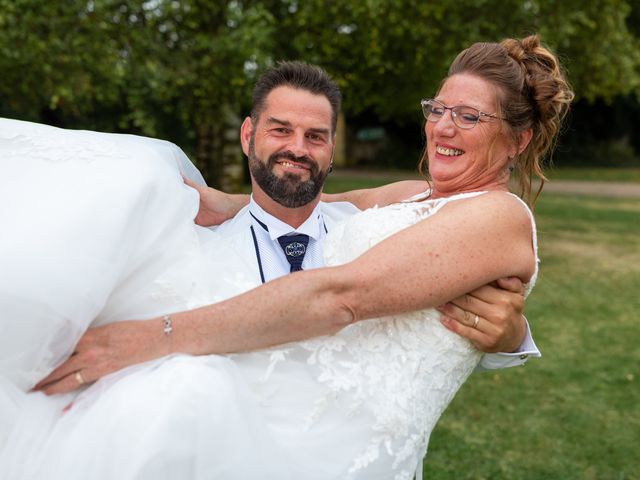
(287, 164)
(449, 152)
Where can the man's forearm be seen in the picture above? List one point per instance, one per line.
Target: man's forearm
(380, 196)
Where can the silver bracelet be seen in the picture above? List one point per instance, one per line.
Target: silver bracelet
(167, 324)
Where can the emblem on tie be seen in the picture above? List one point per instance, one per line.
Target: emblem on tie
(295, 249)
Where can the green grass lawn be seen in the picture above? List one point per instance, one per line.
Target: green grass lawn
(628, 175)
(575, 412)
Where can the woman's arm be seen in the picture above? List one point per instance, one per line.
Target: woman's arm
(468, 244)
(381, 196)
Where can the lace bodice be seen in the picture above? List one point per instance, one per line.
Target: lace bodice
(404, 368)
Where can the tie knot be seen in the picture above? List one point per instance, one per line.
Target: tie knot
(294, 248)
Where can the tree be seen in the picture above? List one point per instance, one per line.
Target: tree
(183, 69)
(162, 68)
(59, 60)
(193, 64)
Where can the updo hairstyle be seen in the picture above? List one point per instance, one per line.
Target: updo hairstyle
(532, 92)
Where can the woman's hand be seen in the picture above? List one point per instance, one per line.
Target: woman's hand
(104, 350)
(216, 206)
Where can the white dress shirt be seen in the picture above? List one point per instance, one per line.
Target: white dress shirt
(270, 256)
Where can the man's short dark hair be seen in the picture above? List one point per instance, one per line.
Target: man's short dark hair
(298, 75)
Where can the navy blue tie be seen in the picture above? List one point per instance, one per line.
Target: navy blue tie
(294, 247)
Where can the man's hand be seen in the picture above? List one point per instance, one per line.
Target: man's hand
(101, 351)
(216, 206)
(491, 316)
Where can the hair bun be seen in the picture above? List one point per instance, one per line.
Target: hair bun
(548, 90)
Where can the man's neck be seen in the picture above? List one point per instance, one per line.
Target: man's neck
(293, 217)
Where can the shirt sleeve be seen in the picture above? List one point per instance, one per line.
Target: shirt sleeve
(494, 361)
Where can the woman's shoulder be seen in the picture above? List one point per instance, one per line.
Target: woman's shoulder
(491, 202)
(499, 211)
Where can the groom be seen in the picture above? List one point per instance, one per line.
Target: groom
(289, 140)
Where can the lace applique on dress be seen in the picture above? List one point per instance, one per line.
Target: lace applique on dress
(52, 145)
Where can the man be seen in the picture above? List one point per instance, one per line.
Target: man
(289, 140)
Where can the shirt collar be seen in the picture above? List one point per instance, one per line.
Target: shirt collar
(312, 226)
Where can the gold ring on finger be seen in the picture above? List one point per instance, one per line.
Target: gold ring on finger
(475, 321)
(79, 378)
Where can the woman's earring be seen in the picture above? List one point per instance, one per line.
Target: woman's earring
(330, 167)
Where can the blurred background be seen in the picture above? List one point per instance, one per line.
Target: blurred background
(183, 71)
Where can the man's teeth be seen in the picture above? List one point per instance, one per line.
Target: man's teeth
(288, 164)
(450, 152)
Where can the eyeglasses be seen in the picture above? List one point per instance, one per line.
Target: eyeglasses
(463, 116)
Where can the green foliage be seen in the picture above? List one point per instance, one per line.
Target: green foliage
(192, 59)
(58, 56)
(182, 69)
(387, 55)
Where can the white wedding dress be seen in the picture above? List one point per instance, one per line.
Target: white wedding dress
(101, 228)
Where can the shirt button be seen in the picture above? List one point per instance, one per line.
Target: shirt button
(523, 356)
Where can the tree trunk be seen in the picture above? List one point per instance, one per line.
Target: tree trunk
(232, 174)
(218, 153)
(340, 156)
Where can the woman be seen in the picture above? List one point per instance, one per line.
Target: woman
(361, 402)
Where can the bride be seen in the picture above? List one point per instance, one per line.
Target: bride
(357, 399)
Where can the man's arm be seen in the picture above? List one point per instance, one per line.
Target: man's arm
(380, 196)
(217, 206)
(501, 331)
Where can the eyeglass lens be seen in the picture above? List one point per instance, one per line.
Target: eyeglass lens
(463, 116)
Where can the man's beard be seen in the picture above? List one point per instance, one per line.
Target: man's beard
(289, 190)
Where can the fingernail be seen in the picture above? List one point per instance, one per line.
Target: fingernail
(448, 323)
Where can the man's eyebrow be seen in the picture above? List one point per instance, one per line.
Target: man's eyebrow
(320, 131)
(287, 123)
(284, 123)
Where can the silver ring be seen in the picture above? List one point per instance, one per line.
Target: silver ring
(79, 378)
(475, 321)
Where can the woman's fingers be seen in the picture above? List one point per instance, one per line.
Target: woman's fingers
(72, 364)
(83, 357)
(66, 384)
